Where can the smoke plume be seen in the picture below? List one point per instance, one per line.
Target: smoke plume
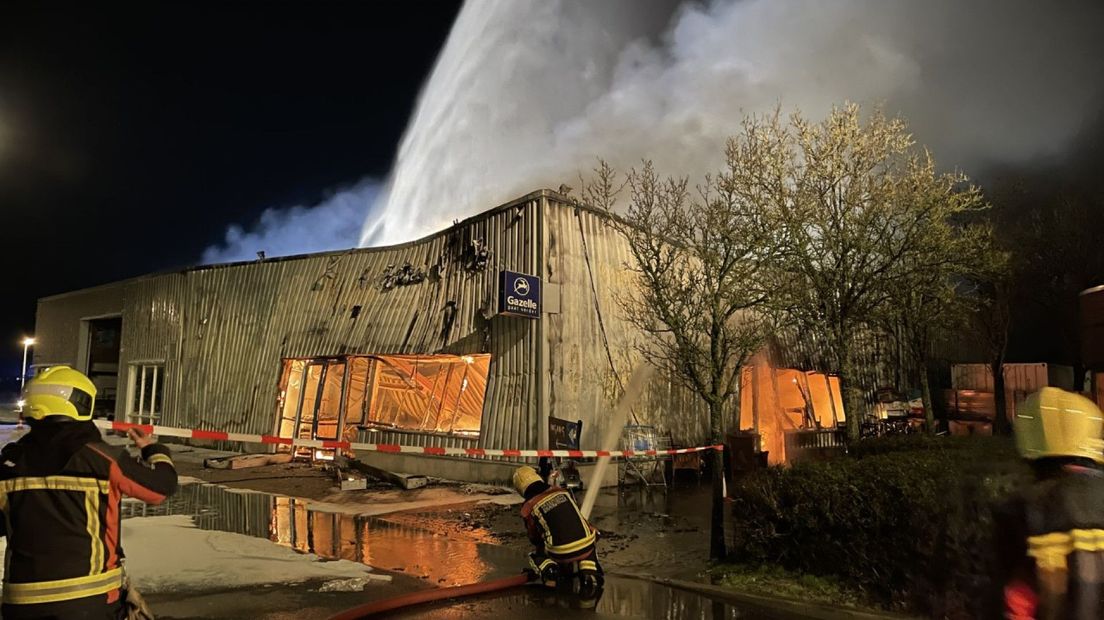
(333, 224)
(527, 94)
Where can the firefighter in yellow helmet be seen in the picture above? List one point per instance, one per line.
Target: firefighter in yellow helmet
(60, 489)
(565, 554)
(1050, 551)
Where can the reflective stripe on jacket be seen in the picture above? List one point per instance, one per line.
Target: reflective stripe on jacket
(60, 493)
(557, 527)
(1050, 555)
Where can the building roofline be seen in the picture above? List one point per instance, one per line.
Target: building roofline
(531, 196)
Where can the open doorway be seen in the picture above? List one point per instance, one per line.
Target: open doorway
(330, 398)
(104, 337)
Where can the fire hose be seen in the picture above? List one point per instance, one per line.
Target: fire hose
(369, 610)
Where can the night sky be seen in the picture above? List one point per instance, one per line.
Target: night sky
(131, 136)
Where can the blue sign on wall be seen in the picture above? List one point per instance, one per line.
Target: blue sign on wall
(519, 295)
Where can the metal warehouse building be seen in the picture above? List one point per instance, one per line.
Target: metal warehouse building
(472, 337)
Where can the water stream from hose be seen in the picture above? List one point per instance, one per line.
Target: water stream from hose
(637, 382)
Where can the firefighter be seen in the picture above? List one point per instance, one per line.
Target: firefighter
(60, 488)
(1050, 547)
(565, 555)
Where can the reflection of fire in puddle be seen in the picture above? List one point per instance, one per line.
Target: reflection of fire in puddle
(385, 545)
(329, 535)
(415, 546)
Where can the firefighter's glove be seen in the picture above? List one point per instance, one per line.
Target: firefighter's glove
(547, 569)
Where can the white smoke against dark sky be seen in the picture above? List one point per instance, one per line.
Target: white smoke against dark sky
(528, 93)
(333, 224)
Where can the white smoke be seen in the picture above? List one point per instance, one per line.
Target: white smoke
(527, 94)
(332, 224)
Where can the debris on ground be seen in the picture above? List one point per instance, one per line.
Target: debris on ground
(350, 470)
(485, 489)
(402, 480)
(245, 461)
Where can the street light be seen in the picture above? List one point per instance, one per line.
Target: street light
(28, 342)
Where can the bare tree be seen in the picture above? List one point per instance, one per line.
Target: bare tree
(919, 319)
(993, 320)
(700, 259)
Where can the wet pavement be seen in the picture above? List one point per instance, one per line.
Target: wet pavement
(622, 598)
(648, 533)
(644, 532)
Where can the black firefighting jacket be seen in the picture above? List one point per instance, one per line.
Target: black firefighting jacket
(557, 528)
(60, 490)
(1050, 548)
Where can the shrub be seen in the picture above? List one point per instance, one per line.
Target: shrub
(906, 520)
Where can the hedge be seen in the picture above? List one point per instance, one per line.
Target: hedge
(905, 520)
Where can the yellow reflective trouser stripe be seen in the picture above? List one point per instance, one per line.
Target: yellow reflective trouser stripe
(55, 483)
(578, 545)
(160, 458)
(62, 589)
(1050, 550)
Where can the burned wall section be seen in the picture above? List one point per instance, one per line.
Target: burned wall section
(222, 331)
(219, 334)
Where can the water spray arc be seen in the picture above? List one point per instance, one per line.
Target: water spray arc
(525, 94)
(636, 386)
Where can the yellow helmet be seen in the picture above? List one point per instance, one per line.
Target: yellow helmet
(523, 477)
(60, 390)
(1054, 422)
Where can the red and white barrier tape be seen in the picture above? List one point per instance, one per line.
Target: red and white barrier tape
(169, 431)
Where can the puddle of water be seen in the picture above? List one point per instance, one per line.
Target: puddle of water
(443, 561)
(368, 540)
(655, 532)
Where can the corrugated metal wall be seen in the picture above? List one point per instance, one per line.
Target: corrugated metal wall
(223, 330)
(581, 384)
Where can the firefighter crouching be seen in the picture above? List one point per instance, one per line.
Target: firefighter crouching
(1050, 536)
(565, 554)
(60, 490)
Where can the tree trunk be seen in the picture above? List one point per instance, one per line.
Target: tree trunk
(717, 548)
(854, 409)
(926, 397)
(1001, 425)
